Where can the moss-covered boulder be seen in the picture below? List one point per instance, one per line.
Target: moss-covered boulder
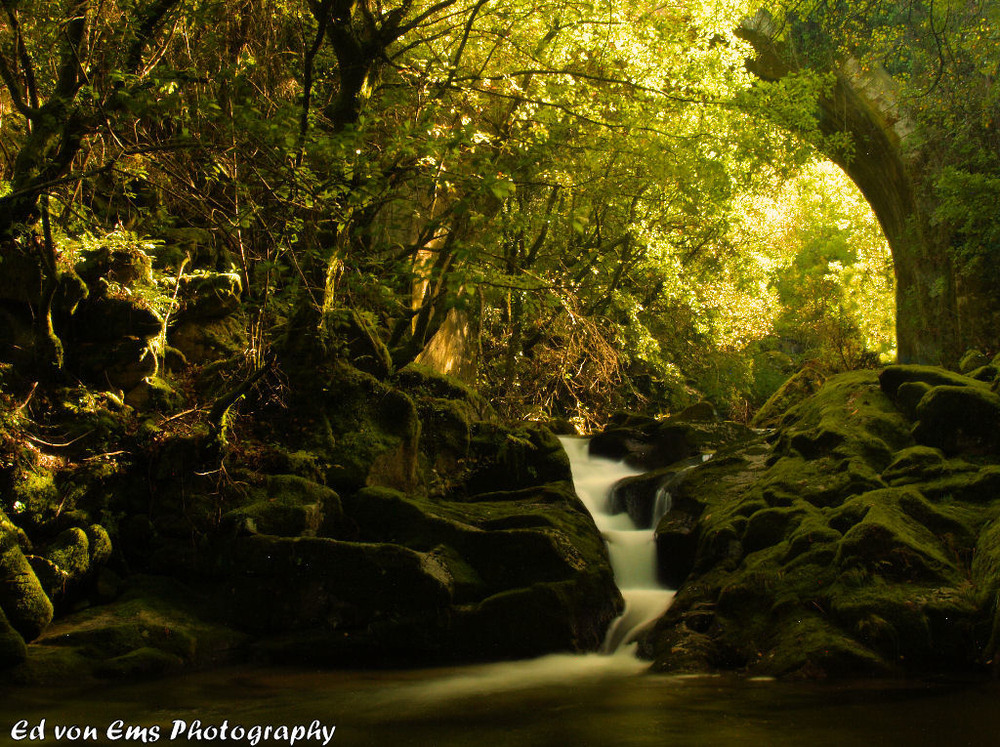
(156, 627)
(22, 597)
(123, 266)
(848, 550)
(290, 506)
(798, 387)
(208, 341)
(648, 496)
(208, 295)
(533, 549)
(352, 600)
(364, 431)
(503, 458)
(893, 376)
(107, 319)
(972, 360)
(958, 417)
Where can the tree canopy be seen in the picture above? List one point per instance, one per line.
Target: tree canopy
(576, 205)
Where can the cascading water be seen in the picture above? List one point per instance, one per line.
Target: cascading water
(633, 557)
(632, 551)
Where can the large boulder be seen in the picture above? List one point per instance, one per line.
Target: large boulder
(290, 506)
(845, 551)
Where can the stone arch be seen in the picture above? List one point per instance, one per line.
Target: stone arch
(938, 313)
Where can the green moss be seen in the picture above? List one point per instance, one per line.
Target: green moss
(70, 553)
(152, 614)
(422, 382)
(12, 647)
(22, 598)
(893, 376)
(889, 542)
(290, 506)
(796, 389)
(99, 545)
(849, 418)
(808, 645)
(36, 492)
(979, 486)
(952, 417)
(972, 360)
(825, 481)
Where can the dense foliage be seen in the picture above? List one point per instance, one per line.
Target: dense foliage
(578, 205)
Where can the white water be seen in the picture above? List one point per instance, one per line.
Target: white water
(632, 551)
(633, 558)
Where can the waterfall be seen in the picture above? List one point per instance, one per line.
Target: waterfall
(632, 551)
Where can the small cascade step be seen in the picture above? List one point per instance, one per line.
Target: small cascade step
(632, 550)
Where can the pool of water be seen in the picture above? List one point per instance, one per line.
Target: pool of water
(570, 700)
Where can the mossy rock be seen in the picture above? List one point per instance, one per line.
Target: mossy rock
(848, 552)
(510, 459)
(209, 295)
(703, 411)
(848, 418)
(908, 396)
(446, 434)
(501, 546)
(12, 647)
(202, 342)
(99, 545)
(125, 266)
(22, 598)
(891, 537)
(954, 417)
(421, 381)
(157, 626)
(808, 646)
(282, 584)
(291, 506)
(972, 360)
(364, 431)
(892, 377)
(649, 444)
(103, 319)
(906, 623)
(642, 495)
(122, 364)
(530, 621)
(65, 562)
(988, 373)
(825, 481)
(676, 547)
(796, 389)
(915, 464)
(154, 393)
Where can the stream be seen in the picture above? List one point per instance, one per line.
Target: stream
(606, 698)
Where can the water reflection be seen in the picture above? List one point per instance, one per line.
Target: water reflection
(597, 701)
